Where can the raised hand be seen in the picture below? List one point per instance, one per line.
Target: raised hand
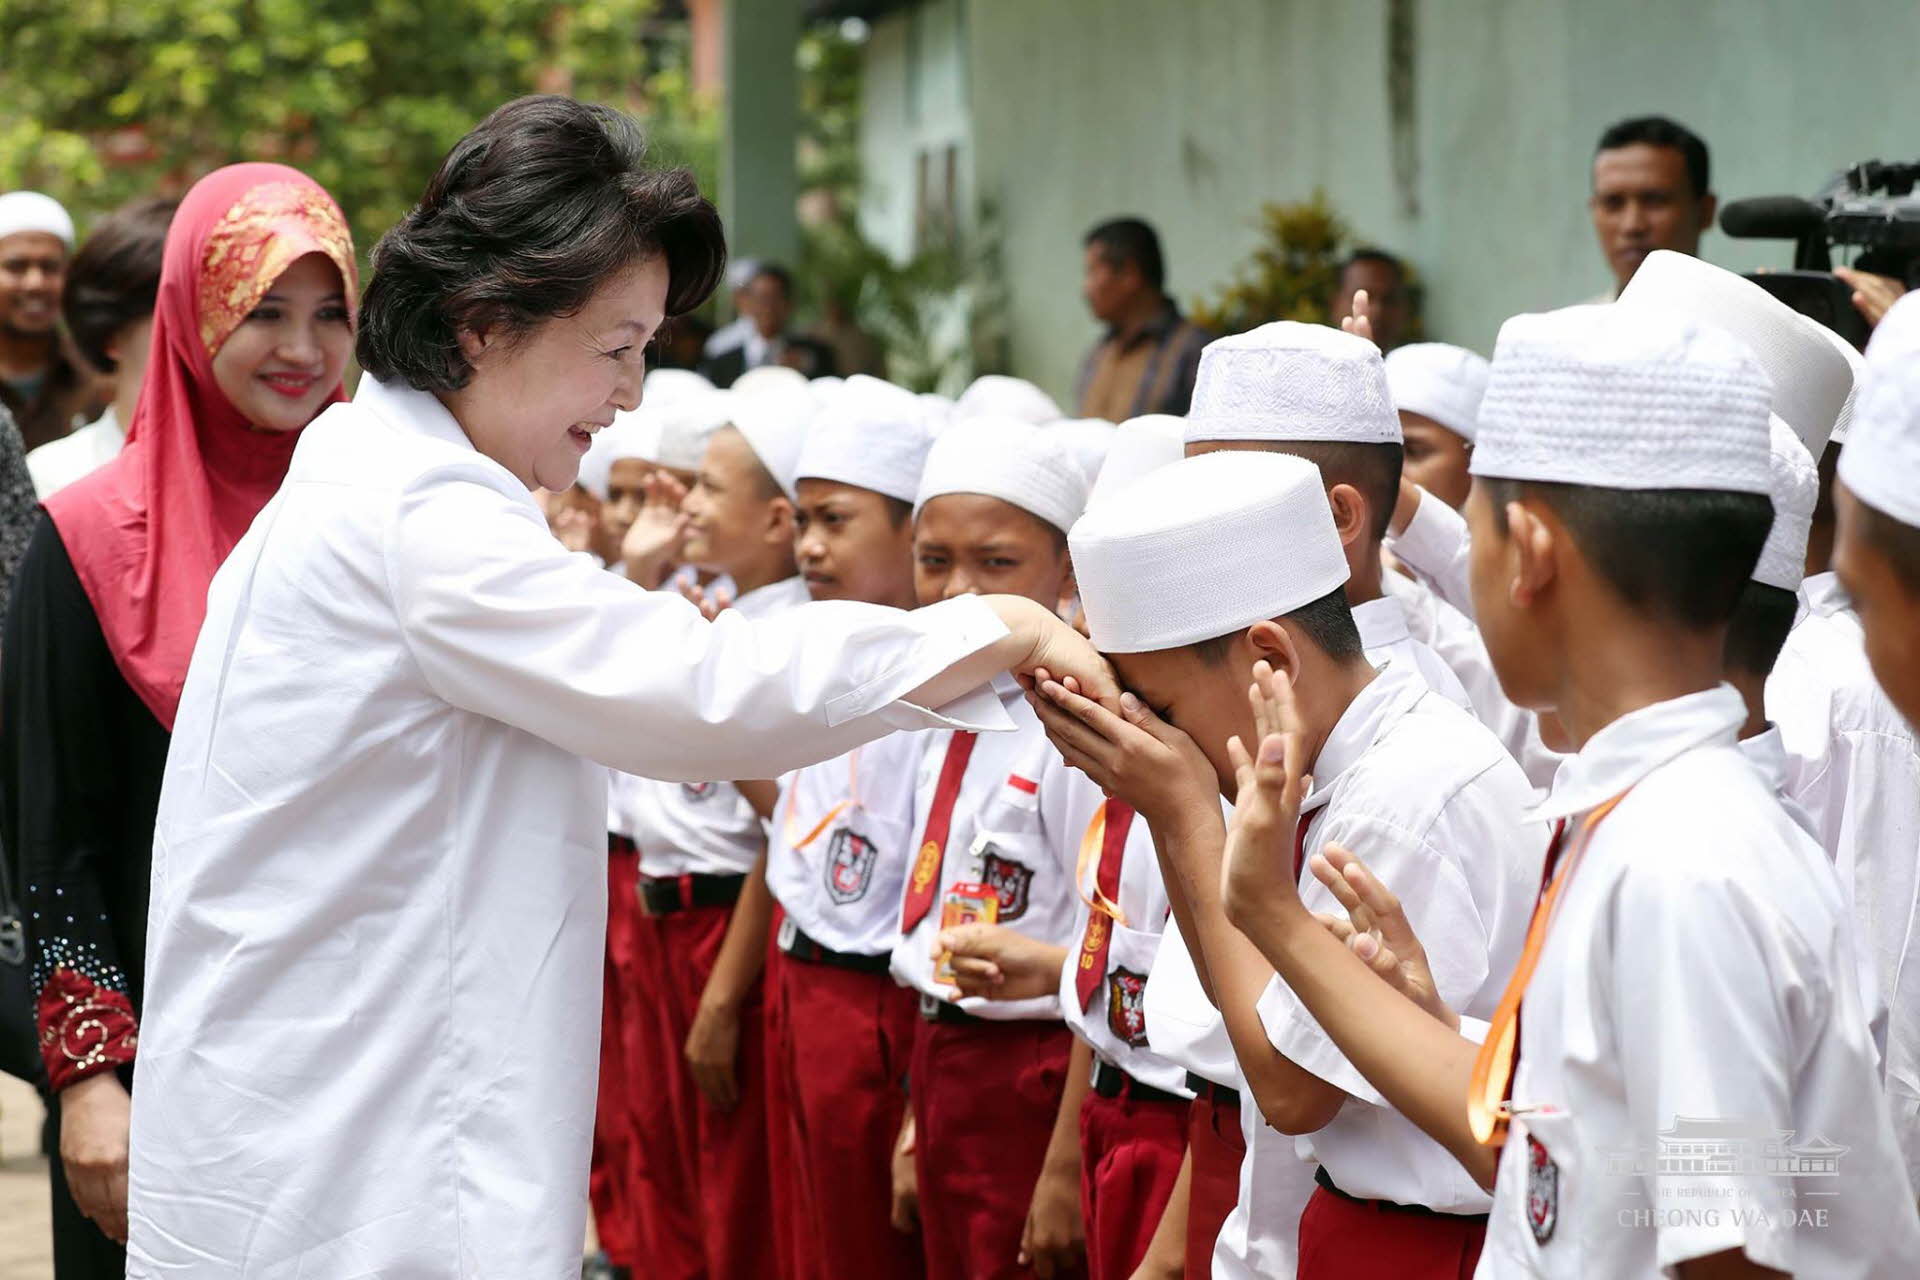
(652, 545)
(1376, 930)
(710, 604)
(1360, 323)
(1256, 869)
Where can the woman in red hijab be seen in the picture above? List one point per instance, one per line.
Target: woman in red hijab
(252, 330)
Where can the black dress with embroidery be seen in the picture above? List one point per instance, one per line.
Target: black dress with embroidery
(81, 758)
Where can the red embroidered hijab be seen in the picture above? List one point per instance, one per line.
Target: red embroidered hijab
(146, 531)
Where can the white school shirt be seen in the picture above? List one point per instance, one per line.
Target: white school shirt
(1436, 546)
(1386, 636)
(702, 828)
(1116, 1021)
(1855, 767)
(1453, 636)
(1694, 1004)
(843, 888)
(376, 932)
(1016, 825)
(58, 463)
(1427, 798)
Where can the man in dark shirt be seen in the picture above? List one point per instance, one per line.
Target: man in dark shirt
(1147, 361)
(766, 300)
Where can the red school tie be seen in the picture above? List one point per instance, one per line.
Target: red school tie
(923, 885)
(1098, 939)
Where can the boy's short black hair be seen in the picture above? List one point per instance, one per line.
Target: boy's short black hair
(1761, 620)
(1327, 621)
(1898, 541)
(1680, 554)
(1660, 131)
(113, 280)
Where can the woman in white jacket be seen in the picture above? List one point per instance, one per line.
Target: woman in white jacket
(379, 880)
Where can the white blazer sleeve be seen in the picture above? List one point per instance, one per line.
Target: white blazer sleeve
(505, 623)
(1435, 546)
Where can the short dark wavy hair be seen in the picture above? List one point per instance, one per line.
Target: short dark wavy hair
(113, 280)
(528, 215)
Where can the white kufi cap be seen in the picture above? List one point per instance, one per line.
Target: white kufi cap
(1010, 460)
(775, 425)
(1881, 461)
(1438, 381)
(772, 380)
(1810, 379)
(31, 211)
(1796, 490)
(1204, 547)
(1616, 397)
(1140, 445)
(870, 434)
(1858, 364)
(686, 424)
(1292, 382)
(634, 434)
(995, 395)
(1088, 439)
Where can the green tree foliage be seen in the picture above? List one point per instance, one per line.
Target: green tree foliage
(1291, 275)
(102, 100)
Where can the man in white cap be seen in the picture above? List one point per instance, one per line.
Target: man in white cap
(1398, 769)
(702, 884)
(841, 839)
(1877, 556)
(1686, 978)
(1436, 390)
(1321, 394)
(998, 826)
(39, 380)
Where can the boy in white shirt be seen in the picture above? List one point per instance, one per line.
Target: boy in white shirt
(1877, 556)
(998, 821)
(840, 1029)
(1399, 768)
(701, 1132)
(1436, 390)
(1686, 978)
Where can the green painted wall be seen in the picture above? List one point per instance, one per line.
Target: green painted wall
(1191, 114)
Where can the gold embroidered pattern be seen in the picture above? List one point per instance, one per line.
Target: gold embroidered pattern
(258, 238)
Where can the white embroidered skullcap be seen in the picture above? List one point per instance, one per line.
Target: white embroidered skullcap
(664, 385)
(32, 211)
(775, 426)
(1796, 490)
(1438, 381)
(1810, 379)
(1140, 445)
(1881, 462)
(995, 395)
(939, 411)
(630, 435)
(1010, 460)
(1088, 440)
(1188, 552)
(1858, 364)
(685, 426)
(772, 380)
(826, 384)
(1292, 382)
(741, 271)
(870, 434)
(1619, 397)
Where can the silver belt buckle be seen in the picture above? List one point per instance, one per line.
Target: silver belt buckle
(788, 932)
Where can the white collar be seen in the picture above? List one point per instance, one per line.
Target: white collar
(787, 591)
(1388, 696)
(1381, 623)
(1767, 753)
(1824, 595)
(404, 409)
(1636, 744)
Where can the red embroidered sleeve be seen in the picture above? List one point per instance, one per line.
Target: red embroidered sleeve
(85, 1028)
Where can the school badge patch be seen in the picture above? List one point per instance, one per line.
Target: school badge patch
(1127, 1006)
(1543, 1191)
(849, 868)
(1011, 881)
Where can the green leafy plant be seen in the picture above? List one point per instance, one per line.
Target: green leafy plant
(1290, 276)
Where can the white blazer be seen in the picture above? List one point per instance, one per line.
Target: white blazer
(370, 1035)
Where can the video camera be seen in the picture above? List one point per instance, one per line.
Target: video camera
(1871, 206)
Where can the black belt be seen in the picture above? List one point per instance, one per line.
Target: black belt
(799, 946)
(619, 844)
(1218, 1094)
(934, 1009)
(1110, 1081)
(664, 895)
(1325, 1179)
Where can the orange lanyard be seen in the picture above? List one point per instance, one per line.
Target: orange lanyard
(790, 825)
(1092, 841)
(1489, 1105)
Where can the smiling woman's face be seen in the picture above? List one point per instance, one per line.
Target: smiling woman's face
(283, 360)
(533, 405)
